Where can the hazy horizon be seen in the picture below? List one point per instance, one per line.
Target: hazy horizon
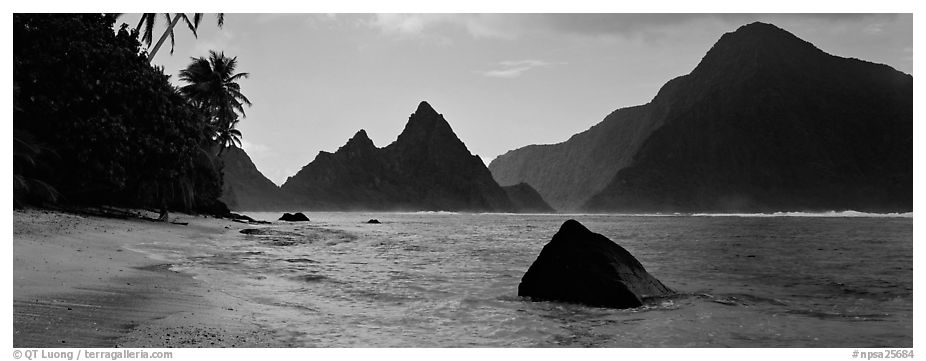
(502, 81)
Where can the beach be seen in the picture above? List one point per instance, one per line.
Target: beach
(445, 279)
(79, 283)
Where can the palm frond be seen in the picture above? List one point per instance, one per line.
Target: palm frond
(141, 20)
(149, 29)
(171, 32)
(238, 76)
(211, 84)
(190, 24)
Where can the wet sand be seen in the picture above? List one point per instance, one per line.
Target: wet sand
(78, 283)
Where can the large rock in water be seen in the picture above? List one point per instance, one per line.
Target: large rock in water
(581, 266)
(294, 217)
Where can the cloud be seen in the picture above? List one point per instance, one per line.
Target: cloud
(529, 62)
(476, 25)
(874, 28)
(279, 176)
(514, 68)
(595, 25)
(256, 150)
(402, 23)
(267, 18)
(222, 41)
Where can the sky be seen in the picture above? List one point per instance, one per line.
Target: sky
(502, 81)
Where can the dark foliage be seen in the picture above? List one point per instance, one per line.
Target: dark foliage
(211, 85)
(147, 22)
(116, 131)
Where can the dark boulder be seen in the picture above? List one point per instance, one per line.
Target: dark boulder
(240, 217)
(294, 217)
(373, 221)
(581, 266)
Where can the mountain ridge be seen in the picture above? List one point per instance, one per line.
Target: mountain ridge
(427, 167)
(244, 187)
(734, 133)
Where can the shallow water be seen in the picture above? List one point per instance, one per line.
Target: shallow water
(447, 280)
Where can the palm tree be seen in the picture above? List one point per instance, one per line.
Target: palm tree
(28, 156)
(148, 21)
(228, 136)
(211, 85)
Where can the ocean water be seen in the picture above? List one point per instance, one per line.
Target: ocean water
(450, 280)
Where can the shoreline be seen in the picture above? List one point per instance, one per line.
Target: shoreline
(77, 282)
(267, 290)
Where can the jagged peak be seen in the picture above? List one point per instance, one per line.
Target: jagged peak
(360, 140)
(425, 109)
(361, 135)
(425, 120)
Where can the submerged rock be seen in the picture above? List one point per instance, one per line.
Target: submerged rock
(239, 217)
(294, 217)
(373, 221)
(581, 266)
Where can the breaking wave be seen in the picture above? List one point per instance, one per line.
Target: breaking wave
(830, 214)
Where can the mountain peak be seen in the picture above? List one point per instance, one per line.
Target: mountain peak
(428, 132)
(425, 123)
(361, 135)
(759, 26)
(426, 168)
(753, 44)
(360, 140)
(765, 35)
(425, 109)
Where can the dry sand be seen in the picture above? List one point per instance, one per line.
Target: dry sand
(77, 283)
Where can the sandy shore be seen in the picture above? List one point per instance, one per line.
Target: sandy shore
(78, 283)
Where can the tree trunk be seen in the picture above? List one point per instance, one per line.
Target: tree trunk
(162, 195)
(163, 216)
(170, 28)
